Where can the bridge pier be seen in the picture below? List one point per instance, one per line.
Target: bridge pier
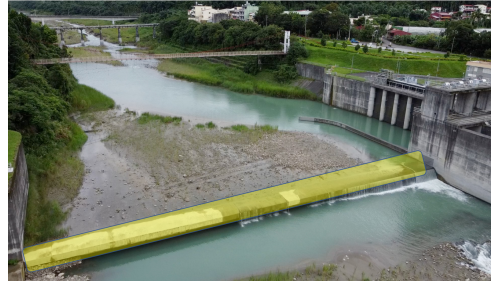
(100, 37)
(382, 106)
(136, 34)
(119, 37)
(407, 114)
(62, 39)
(395, 109)
(154, 32)
(371, 102)
(259, 63)
(81, 37)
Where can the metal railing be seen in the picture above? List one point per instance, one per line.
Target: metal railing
(106, 26)
(160, 56)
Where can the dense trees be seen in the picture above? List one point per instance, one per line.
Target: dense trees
(39, 96)
(231, 34)
(459, 35)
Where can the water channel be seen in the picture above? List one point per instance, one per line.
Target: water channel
(392, 225)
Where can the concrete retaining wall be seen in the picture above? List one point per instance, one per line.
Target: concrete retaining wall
(310, 71)
(462, 157)
(350, 94)
(18, 198)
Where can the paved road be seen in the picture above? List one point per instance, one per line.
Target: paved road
(409, 48)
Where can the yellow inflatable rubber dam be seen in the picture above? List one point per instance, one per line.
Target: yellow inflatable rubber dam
(224, 211)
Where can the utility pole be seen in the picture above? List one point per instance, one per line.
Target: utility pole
(453, 42)
(437, 70)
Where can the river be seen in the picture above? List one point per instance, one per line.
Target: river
(391, 225)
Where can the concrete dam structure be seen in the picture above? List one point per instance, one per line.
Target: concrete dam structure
(224, 211)
(449, 119)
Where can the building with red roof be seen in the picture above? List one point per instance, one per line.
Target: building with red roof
(396, 32)
(440, 16)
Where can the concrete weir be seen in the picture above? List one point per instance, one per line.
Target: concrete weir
(224, 211)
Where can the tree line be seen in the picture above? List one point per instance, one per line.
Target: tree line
(459, 37)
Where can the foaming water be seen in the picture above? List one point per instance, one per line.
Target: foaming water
(479, 254)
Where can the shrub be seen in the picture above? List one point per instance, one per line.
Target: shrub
(357, 47)
(379, 50)
(239, 128)
(323, 41)
(211, 125)
(365, 49)
(334, 44)
(393, 52)
(447, 55)
(344, 45)
(200, 126)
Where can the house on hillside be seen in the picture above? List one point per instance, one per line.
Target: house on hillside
(440, 16)
(466, 9)
(436, 10)
(396, 32)
(481, 8)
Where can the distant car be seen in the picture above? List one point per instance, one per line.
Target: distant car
(353, 40)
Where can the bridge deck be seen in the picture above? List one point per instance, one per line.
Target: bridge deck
(106, 26)
(161, 56)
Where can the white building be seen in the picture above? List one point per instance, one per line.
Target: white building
(200, 13)
(466, 8)
(436, 10)
(481, 8)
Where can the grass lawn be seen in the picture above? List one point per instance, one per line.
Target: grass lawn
(328, 57)
(202, 71)
(83, 52)
(14, 142)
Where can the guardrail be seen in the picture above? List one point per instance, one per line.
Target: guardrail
(160, 56)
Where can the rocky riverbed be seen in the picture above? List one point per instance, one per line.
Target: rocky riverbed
(137, 170)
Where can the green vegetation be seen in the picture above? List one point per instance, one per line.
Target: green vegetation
(211, 125)
(89, 22)
(14, 142)
(327, 56)
(256, 128)
(202, 71)
(13, 262)
(39, 100)
(200, 126)
(239, 128)
(87, 99)
(147, 117)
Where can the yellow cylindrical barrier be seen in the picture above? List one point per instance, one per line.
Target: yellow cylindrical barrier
(224, 211)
